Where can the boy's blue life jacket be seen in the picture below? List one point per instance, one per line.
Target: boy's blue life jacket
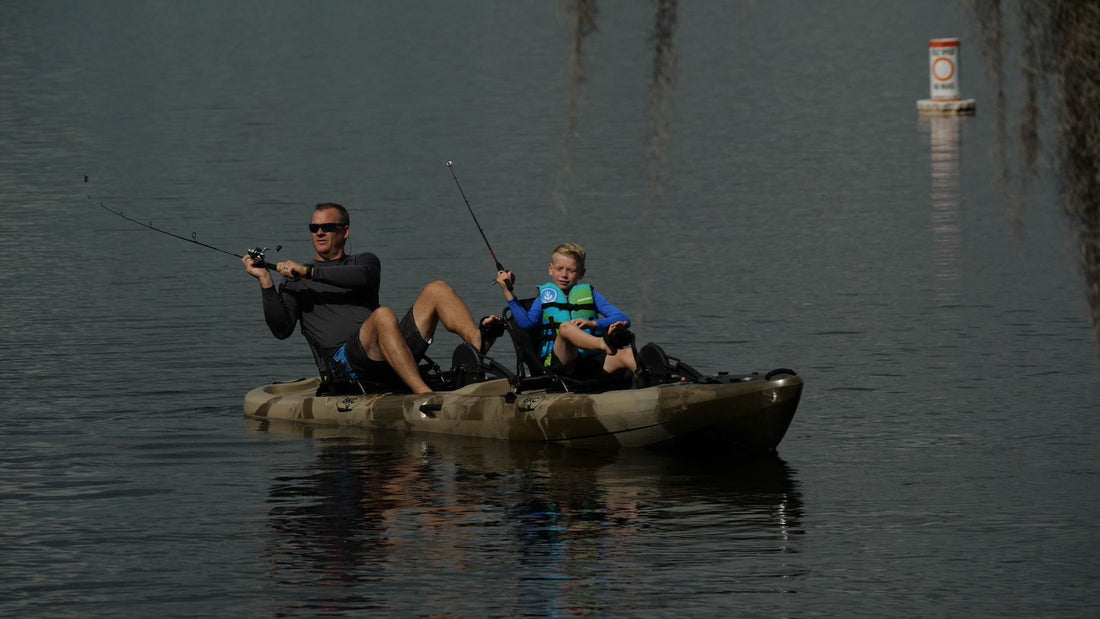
(556, 310)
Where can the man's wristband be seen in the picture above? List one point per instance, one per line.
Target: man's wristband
(309, 271)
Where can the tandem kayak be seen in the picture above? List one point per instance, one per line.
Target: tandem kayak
(664, 403)
(749, 413)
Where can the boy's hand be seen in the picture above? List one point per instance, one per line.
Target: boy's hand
(617, 326)
(505, 279)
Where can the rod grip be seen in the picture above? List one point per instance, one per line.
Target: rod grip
(511, 278)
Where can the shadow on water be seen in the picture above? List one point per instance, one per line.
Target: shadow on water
(1060, 54)
(547, 524)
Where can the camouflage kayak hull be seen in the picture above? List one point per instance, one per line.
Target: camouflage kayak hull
(749, 413)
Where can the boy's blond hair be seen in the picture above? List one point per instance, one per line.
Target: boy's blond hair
(570, 250)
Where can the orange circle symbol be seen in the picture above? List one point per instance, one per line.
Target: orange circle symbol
(937, 69)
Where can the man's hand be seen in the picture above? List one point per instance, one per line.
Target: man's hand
(258, 272)
(290, 269)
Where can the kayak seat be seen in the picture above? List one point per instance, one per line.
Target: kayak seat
(524, 341)
(336, 383)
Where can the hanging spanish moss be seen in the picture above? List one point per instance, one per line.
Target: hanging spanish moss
(1030, 62)
(662, 81)
(583, 16)
(1061, 41)
(989, 14)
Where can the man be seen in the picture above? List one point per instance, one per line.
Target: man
(335, 297)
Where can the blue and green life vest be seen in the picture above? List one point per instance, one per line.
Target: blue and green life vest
(556, 309)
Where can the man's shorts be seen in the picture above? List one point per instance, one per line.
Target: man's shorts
(359, 366)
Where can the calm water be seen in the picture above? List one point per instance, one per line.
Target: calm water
(756, 192)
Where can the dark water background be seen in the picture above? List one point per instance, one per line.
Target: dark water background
(756, 190)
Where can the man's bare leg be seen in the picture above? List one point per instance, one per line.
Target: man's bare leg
(439, 303)
(380, 336)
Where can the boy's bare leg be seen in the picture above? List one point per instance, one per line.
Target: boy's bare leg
(623, 358)
(571, 338)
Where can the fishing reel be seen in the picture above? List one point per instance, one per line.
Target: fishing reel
(257, 254)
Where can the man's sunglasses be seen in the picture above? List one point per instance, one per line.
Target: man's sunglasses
(329, 228)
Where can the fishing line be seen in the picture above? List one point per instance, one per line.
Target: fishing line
(500, 267)
(257, 254)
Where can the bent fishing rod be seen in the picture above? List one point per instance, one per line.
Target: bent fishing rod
(257, 254)
(500, 267)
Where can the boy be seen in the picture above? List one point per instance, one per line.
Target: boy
(569, 313)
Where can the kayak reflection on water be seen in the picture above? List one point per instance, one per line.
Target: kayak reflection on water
(549, 522)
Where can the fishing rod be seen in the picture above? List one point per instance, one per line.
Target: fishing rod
(500, 267)
(257, 254)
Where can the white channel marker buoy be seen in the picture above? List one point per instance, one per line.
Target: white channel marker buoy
(943, 77)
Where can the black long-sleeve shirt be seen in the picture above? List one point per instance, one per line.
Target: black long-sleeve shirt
(330, 306)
